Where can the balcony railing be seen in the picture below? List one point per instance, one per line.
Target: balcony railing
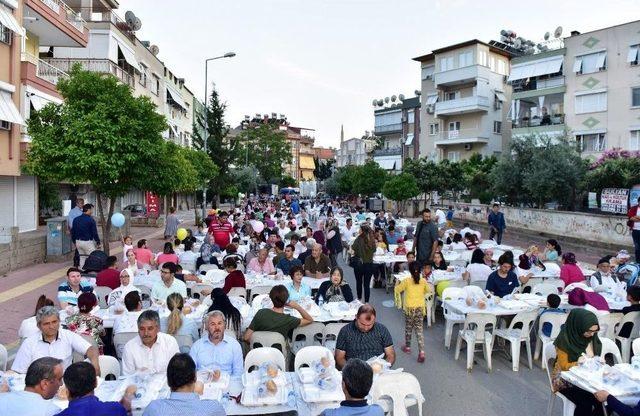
(104, 66)
(462, 136)
(388, 152)
(49, 72)
(460, 75)
(462, 105)
(388, 128)
(72, 17)
(107, 16)
(539, 84)
(537, 121)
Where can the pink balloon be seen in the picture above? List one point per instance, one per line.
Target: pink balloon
(258, 226)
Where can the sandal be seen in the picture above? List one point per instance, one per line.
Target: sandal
(421, 357)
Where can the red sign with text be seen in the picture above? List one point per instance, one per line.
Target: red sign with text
(153, 205)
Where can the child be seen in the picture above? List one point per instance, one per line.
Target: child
(553, 303)
(127, 244)
(401, 250)
(414, 288)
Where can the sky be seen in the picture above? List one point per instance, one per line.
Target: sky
(322, 62)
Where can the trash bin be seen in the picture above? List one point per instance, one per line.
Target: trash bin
(58, 237)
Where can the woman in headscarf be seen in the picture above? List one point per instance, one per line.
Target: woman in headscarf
(569, 270)
(335, 289)
(126, 286)
(577, 341)
(318, 235)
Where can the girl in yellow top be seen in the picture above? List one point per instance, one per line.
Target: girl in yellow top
(578, 339)
(415, 289)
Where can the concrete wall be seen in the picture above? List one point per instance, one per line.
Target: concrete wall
(23, 250)
(603, 229)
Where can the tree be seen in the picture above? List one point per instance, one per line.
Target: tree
(223, 150)
(323, 170)
(287, 182)
(399, 188)
(476, 172)
(101, 135)
(268, 150)
(614, 169)
(507, 176)
(428, 175)
(246, 179)
(368, 179)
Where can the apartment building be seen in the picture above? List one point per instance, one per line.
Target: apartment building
(354, 151)
(178, 108)
(324, 154)
(465, 101)
(602, 99)
(398, 124)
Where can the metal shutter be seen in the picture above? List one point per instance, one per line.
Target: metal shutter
(26, 206)
(6, 207)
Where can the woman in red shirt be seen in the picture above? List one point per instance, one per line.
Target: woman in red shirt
(167, 255)
(235, 278)
(569, 270)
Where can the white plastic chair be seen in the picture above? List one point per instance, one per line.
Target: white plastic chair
(4, 357)
(109, 366)
(306, 336)
(559, 284)
(204, 268)
(197, 289)
(581, 285)
(534, 281)
(451, 318)
(556, 320)
(185, 341)
(632, 318)
(567, 405)
(552, 267)
(399, 387)
(258, 356)
(517, 336)
(608, 324)
(610, 347)
(307, 355)
(259, 290)
(482, 284)
(101, 293)
(474, 331)
(429, 299)
(635, 347)
(268, 339)
(544, 289)
(256, 302)
(120, 339)
(238, 291)
(330, 334)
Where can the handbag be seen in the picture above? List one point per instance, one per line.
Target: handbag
(355, 261)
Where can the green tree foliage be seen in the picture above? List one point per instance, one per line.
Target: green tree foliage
(368, 179)
(399, 188)
(246, 179)
(614, 169)
(101, 135)
(287, 182)
(476, 171)
(224, 151)
(268, 150)
(324, 169)
(204, 168)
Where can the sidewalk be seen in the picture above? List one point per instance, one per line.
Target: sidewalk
(20, 289)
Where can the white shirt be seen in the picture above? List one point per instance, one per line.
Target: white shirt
(607, 283)
(188, 260)
(136, 356)
(26, 403)
(28, 327)
(478, 271)
(160, 291)
(458, 246)
(126, 322)
(441, 217)
(62, 348)
(348, 233)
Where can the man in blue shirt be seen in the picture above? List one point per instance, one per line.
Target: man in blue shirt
(43, 379)
(496, 223)
(288, 261)
(357, 378)
(84, 233)
(183, 401)
(73, 214)
(217, 351)
(80, 380)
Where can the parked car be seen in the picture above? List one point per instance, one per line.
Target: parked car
(137, 210)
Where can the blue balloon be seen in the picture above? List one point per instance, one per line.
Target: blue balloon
(117, 220)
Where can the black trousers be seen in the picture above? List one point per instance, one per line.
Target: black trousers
(363, 279)
(586, 403)
(76, 258)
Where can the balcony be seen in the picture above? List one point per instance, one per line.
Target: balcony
(49, 72)
(55, 23)
(462, 136)
(552, 127)
(392, 151)
(462, 105)
(389, 128)
(103, 66)
(460, 75)
(92, 14)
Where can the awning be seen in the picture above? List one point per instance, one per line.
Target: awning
(431, 99)
(387, 164)
(409, 140)
(8, 110)
(500, 96)
(129, 56)
(632, 56)
(8, 20)
(307, 175)
(306, 162)
(175, 97)
(545, 66)
(39, 99)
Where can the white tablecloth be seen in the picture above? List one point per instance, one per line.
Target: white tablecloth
(460, 306)
(627, 389)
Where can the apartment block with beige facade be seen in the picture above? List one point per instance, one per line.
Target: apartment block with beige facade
(602, 100)
(465, 101)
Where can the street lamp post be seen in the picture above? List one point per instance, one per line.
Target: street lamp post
(206, 120)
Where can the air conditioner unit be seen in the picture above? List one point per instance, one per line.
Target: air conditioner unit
(468, 146)
(430, 109)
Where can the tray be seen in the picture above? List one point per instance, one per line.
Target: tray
(250, 399)
(253, 379)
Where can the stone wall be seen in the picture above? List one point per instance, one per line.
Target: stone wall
(23, 250)
(597, 228)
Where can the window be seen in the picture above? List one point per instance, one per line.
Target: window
(427, 72)
(482, 58)
(465, 59)
(411, 117)
(393, 120)
(502, 67)
(635, 97)
(590, 103)
(434, 129)
(452, 95)
(634, 140)
(454, 125)
(5, 125)
(453, 156)
(632, 56)
(143, 75)
(591, 142)
(155, 85)
(497, 127)
(6, 35)
(492, 63)
(446, 64)
(590, 63)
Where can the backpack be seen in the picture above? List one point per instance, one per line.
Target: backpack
(96, 261)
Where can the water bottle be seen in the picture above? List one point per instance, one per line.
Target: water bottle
(291, 399)
(261, 390)
(320, 301)
(326, 384)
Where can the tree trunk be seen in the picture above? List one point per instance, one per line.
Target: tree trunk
(106, 223)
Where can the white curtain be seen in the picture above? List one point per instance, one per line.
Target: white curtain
(541, 104)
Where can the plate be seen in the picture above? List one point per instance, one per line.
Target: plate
(250, 398)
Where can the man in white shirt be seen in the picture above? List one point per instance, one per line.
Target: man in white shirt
(43, 379)
(189, 257)
(441, 218)
(348, 232)
(168, 285)
(151, 350)
(603, 280)
(218, 351)
(52, 341)
(128, 321)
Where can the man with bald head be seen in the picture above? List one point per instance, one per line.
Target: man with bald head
(317, 265)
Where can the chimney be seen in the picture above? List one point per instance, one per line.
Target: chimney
(574, 33)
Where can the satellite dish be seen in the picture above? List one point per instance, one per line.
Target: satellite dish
(154, 49)
(417, 92)
(137, 24)
(547, 35)
(386, 100)
(558, 32)
(504, 39)
(401, 97)
(130, 17)
(503, 33)
(380, 103)
(393, 98)
(375, 102)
